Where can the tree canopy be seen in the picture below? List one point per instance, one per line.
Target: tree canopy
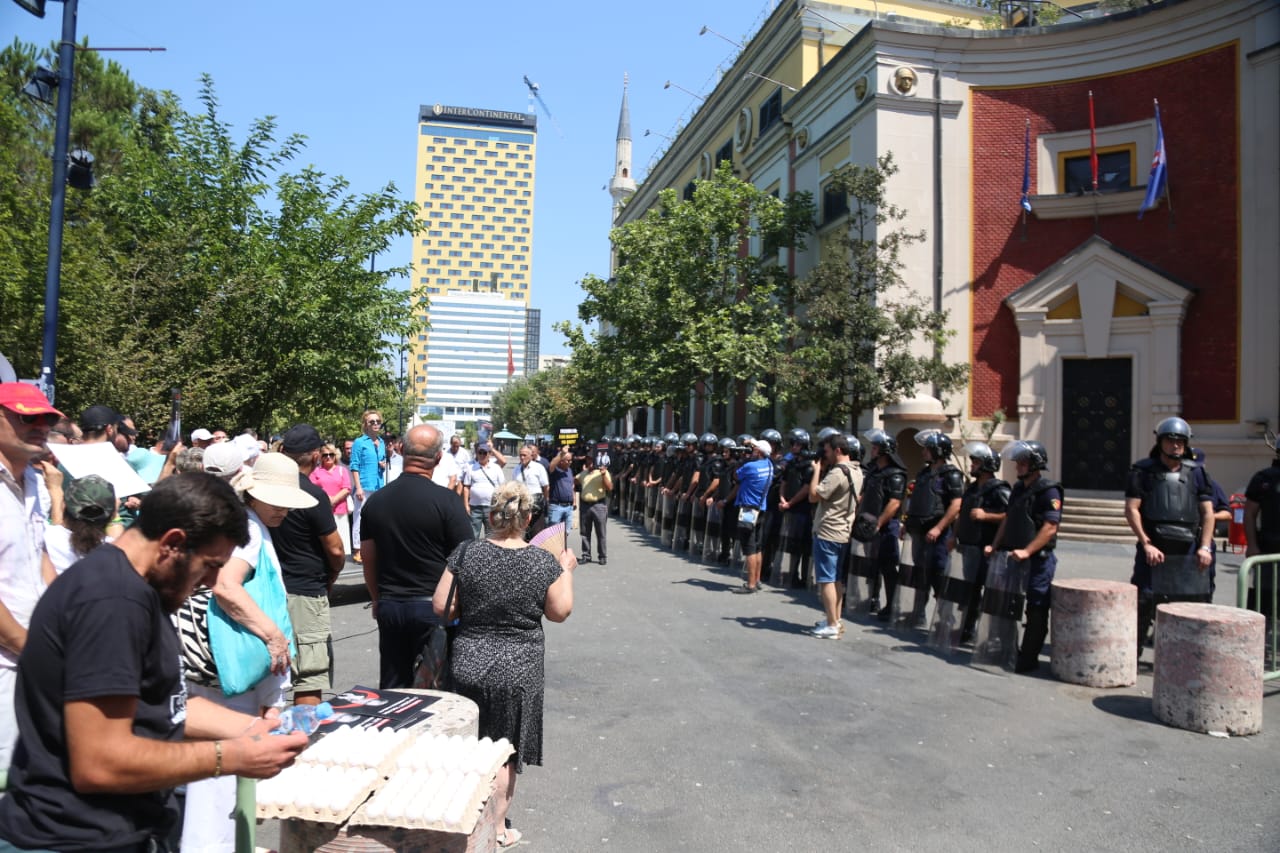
(700, 300)
(199, 260)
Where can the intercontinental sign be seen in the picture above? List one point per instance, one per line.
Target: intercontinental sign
(441, 112)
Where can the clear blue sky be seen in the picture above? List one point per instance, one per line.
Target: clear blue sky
(350, 76)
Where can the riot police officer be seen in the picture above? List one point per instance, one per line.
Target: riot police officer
(1169, 507)
(706, 458)
(718, 483)
(883, 486)
(982, 508)
(685, 487)
(772, 520)
(1262, 532)
(617, 464)
(797, 512)
(932, 507)
(1029, 533)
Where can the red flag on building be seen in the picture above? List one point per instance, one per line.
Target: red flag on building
(511, 360)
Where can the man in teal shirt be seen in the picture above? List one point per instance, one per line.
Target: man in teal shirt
(368, 468)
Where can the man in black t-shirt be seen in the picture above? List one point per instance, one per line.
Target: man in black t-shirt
(311, 556)
(106, 729)
(410, 527)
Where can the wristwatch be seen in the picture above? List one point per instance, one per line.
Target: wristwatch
(1206, 549)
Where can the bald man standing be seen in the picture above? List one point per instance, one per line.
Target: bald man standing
(408, 531)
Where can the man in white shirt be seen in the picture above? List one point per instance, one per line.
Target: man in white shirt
(447, 474)
(26, 416)
(533, 474)
(458, 453)
(480, 480)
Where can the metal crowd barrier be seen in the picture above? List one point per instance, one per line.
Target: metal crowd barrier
(1263, 597)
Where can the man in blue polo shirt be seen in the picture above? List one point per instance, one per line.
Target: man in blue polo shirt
(754, 477)
(368, 468)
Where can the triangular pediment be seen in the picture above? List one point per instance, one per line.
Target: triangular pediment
(1093, 260)
(1094, 284)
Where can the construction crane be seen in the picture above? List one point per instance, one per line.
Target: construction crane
(533, 94)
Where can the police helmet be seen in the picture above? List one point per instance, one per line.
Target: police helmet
(798, 436)
(936, 441)
(855, 447)
(880, 438)
(671, 438)
(825, 433)
(1031, 452)
(727, 443)
(688, 438)
(708, 438)
(743, 438)
(772, 436)
(1174, 428)
(985, 456)
(647, 441)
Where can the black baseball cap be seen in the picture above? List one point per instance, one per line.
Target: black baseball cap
(99, 417)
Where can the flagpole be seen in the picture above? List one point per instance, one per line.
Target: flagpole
(1026, 177)
(1093, 161)
(1168, 189)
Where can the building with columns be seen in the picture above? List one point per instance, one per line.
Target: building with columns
(1082, 323)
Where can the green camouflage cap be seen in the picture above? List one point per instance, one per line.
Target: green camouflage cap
(90, 498)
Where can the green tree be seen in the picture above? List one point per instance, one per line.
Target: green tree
(199, 260)
(859, 330)
(686, 305)
(547, 400)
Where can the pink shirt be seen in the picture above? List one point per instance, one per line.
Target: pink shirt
(333, 480)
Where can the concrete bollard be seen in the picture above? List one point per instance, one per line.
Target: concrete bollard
(1095, 632)
(1208, 668)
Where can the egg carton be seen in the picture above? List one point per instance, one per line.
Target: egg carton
(316, 792)
(424, 795)
(348, 746)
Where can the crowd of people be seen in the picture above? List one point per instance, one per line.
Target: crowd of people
(154, 623)
(843, 513)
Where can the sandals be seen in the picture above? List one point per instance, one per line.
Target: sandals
(509, 838)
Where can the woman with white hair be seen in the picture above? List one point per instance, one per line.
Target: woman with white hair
(503, 589)
(269, 490)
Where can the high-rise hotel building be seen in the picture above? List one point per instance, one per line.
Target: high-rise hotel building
(475, 182)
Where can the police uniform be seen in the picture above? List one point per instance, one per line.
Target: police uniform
(934, 491)
(1171, 519)
(1030, 508)
(798, 539)
(879, 487)
(972, 537)
(1264, 490)
(772, 520)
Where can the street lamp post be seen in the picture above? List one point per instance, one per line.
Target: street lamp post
(62, 133)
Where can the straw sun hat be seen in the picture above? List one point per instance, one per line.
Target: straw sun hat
(274, 480)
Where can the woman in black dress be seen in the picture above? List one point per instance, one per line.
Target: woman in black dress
(504, 588)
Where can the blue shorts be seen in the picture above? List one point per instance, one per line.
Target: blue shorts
(828, 560)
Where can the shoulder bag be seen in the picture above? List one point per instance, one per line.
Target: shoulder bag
(431, 667)
(241, 657)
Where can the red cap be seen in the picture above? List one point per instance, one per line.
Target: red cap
(25, 399)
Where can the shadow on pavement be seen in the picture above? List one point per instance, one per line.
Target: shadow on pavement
(708, 585)
(1130, 707)
(768, 623)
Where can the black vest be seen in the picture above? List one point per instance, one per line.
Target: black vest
(991, 495)
(1022, 524)
(1269, 506)
(1168, 497)
(879, 486)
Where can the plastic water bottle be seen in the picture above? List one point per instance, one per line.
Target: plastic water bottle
(303, 718)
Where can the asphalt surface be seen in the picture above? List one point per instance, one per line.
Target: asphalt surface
(680, 716)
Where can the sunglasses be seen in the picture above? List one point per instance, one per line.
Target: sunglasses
(328, 455)
(374, 422)
(48, 419)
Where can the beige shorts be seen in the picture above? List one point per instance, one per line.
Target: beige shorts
(313, 665)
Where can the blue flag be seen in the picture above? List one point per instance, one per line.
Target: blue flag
(1026, 170)
(1159, 177)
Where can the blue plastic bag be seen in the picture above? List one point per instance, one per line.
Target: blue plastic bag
(241, 657)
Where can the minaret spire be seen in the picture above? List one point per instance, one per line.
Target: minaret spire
(622, 185)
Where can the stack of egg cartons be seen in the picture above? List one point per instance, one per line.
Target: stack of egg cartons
(440, 782)
(332, 776)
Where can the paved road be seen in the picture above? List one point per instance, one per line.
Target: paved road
(683, 717)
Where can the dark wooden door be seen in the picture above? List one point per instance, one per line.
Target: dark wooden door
(1097, 422)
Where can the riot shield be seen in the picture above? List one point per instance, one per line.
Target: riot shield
(1002, 601)
(667, 531)
(954, 598)
(684, 517)
(912, 594)
(861, 594)
(1180, 577)
(697, 526)
(652, 508)
(711, 541)
(797, 546)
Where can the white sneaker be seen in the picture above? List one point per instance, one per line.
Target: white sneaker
(822, 623)
(826, 632)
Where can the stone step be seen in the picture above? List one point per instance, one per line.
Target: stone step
(1095, 503)
(1108, 538)
(1075, 525)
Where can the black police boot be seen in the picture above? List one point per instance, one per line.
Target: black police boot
(1146, 615)
(1033, 639)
